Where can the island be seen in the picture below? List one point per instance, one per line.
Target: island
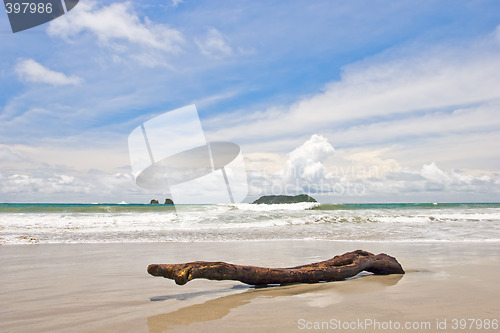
(284, 199)
(168, 201)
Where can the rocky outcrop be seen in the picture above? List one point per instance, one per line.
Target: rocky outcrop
(284, 199)
(154, 202)
(168, 201)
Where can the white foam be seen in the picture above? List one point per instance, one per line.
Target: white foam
(251, 222)
(274, 207)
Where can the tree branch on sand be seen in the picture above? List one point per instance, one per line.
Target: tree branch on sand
(336, 269)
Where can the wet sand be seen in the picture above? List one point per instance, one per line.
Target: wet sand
(105, 288)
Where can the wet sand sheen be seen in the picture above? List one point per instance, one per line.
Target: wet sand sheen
(105, 287)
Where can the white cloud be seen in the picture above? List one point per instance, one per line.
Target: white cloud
(214, 45)
(364, 176)
(31, 71)
(305, 163)
(7, 155)
(477, 118)
(392, 115)
(362, 164)
(205, 101)
(119, 28)
(406, 86)
(454, 180)
(51, 184)
(303, 170)
(432, 182)
(433, 174)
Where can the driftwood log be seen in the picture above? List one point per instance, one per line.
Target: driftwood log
(336, 269)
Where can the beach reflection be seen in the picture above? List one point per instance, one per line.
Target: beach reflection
(320, 294)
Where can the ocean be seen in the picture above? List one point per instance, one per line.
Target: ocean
(130, 223)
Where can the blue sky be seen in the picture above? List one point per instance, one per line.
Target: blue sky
(362, 101)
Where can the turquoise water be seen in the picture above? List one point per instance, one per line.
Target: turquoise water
(112, 223)
(114, 208)
(80, 208)
(406, 206)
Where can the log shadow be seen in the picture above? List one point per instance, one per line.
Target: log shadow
(186, 296)
(220, 307)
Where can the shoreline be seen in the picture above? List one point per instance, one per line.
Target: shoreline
(277, 240)
(105, 287)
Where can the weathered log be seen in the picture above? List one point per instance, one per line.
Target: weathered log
(336, 269)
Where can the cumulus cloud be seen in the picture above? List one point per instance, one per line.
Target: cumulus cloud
(65, 174)
(28, 184)
(437, 179)
(53, 185)
(434, 175)
(433, 182)
(364, 176)
(31, 71)
(305, 163)
(302, 171)
(393, 114)
(119, 28)
(214, 45)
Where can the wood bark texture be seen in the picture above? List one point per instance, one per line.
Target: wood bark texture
(338, 268)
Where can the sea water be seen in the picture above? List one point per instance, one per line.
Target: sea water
(115, 223)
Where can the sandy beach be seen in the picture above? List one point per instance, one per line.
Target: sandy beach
(105, 288)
